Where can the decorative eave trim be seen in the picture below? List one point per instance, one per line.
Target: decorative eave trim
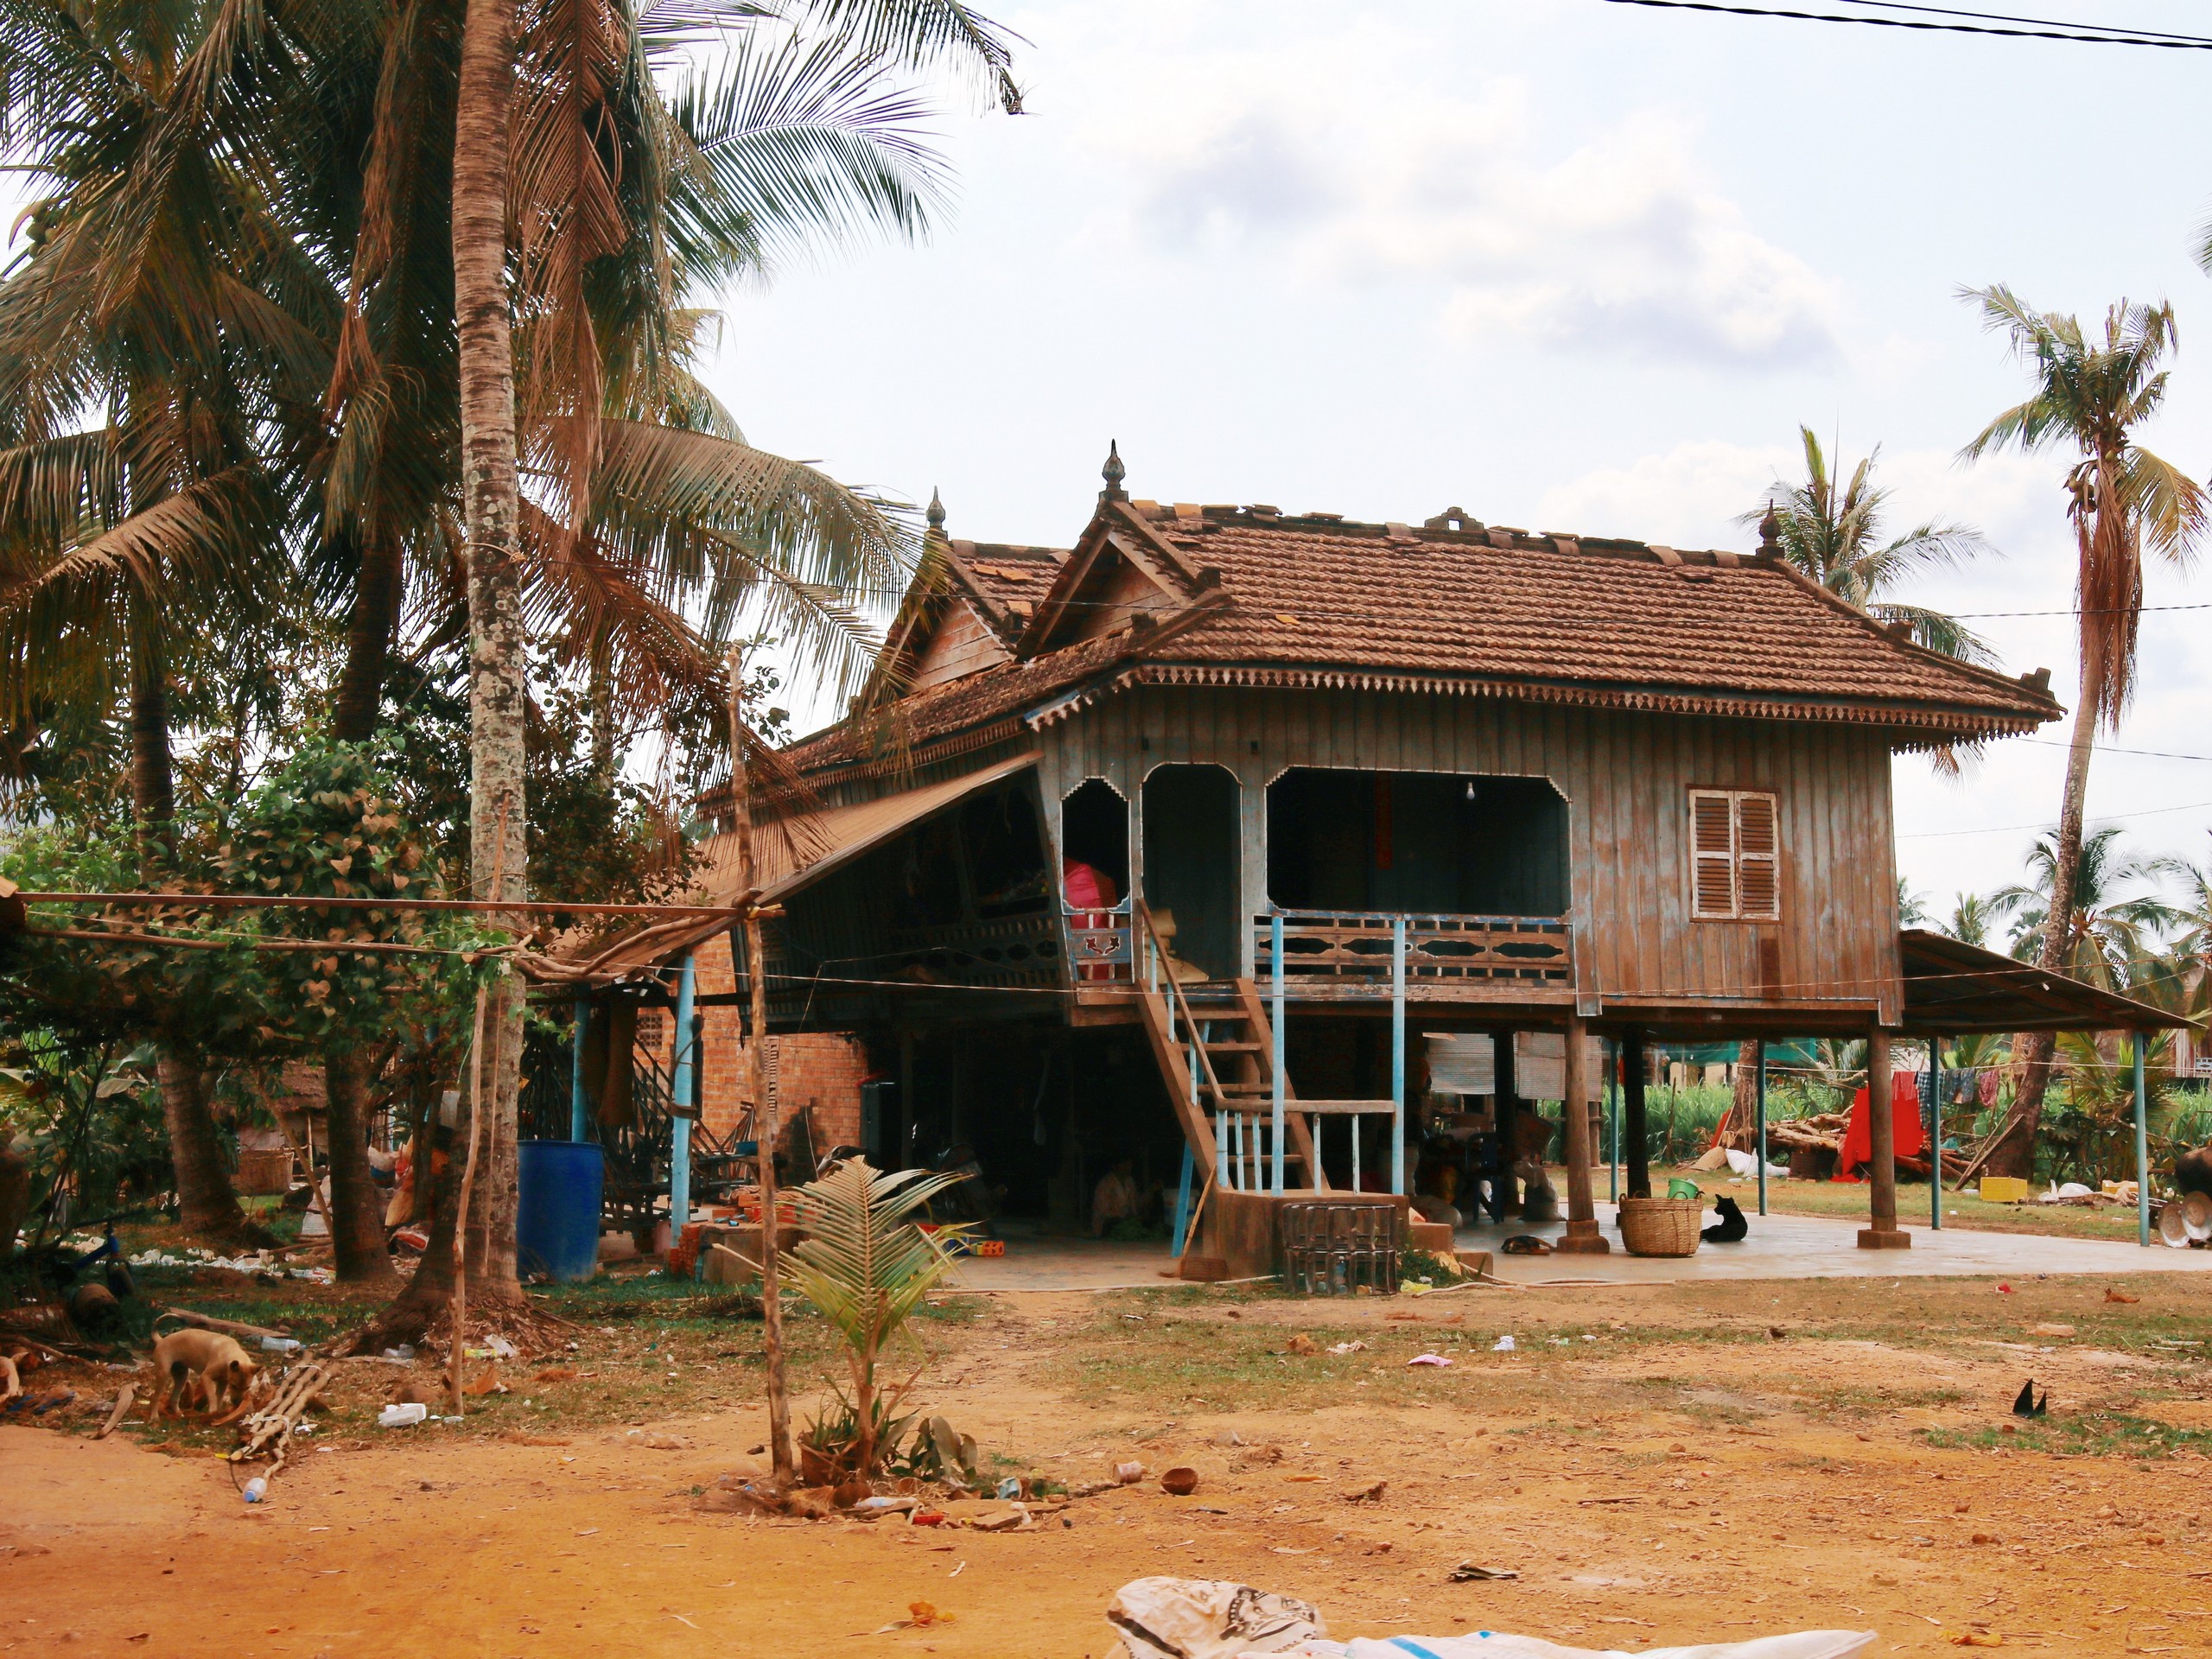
(1941, 724)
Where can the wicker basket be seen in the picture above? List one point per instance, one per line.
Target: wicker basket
(266, 1174)
(1661, 1226)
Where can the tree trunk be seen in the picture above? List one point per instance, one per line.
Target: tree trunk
(368, 643)
(492, 510)
(2015, 1152)
(1742, 1126)
(153, 783)
(356, 1207)
(205, 1201)
(410, 1316)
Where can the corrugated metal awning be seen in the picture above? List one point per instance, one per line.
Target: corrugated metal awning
(1952, 989)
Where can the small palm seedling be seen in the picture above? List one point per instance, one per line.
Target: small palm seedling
(867, 1266)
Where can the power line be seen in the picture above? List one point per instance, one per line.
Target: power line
(2099, 818)
(2107, 748)
(2071, 32)
(2003, 17)
(2094, 610)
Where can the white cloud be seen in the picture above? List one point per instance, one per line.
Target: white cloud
(1617, 241)
(1688, 497)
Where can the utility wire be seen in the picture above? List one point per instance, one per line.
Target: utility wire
(2003, 17)
(2072, 32)
(2092, 818)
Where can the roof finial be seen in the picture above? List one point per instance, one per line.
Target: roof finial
(936, 514)
(1113, 472)
(1770, 534)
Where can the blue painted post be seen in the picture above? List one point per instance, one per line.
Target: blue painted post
(1224, 1171)
(577, 1070)
(1275, 943)
(1758, 1151)
(1183, 1202)
(680, 1100)
(1935, 1133)
(2142, 1152)
(1397, 1061)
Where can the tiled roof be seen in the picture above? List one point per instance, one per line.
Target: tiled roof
(1553, 609)
(1009, 579)
(1452, 607)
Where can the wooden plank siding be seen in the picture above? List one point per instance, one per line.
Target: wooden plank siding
(1625, 777)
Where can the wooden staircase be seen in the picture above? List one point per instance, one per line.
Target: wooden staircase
(1215, 1047)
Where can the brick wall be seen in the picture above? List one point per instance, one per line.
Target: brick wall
(822, 1067)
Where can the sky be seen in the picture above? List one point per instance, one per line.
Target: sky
(1568, 265)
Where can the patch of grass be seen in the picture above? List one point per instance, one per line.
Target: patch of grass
(2079, 1435)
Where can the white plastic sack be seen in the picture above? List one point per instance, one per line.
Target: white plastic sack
(1745, 1163)
(1497, 1644)
(1208, 1619)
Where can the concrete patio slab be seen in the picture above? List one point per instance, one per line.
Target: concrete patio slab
(1779, 1247)
(1818, 1247)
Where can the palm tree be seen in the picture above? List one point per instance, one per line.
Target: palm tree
(2091, 395)
(1970, 918)
(149, 342)
(2106, 936)
(1832, 532)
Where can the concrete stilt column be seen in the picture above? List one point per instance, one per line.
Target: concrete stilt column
(1583, 1237)
(1882, 1232)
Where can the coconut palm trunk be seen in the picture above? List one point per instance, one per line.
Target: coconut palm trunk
(2014, 1152)
(2089, 393)
(492, 511)
(207, 1202)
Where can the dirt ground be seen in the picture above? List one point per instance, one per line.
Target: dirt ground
(1658, 1464)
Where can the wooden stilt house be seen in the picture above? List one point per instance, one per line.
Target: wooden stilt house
(1305, 844)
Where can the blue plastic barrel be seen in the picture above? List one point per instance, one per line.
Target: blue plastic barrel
(557, 1227)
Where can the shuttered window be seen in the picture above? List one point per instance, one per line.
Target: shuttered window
(1735, 855)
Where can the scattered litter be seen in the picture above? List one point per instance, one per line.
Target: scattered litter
(957, 1571)
(1502, 1345)
(256, 1490)
(1430, 1359)
(1343, 1348)
(1471, 1572)
(1181, 1481)
(404, 1416)
(867, 1507)
(1207, 1618)
(1128, 1473)
(1009, 1488)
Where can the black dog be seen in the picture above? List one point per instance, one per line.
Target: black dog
(1732, 1226)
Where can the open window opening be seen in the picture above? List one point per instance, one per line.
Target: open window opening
(1417, 843)
(1094, 846)
(1192, 867)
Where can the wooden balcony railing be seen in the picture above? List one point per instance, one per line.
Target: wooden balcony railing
(1339, 952)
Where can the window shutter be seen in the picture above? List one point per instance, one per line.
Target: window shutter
(1712, 855)
(1758, 882)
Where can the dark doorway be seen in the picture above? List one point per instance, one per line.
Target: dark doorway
(1416, 841)
(1191, 852)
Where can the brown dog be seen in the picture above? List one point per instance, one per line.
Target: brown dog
(203, 1368)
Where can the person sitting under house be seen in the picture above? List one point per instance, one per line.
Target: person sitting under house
(1115, 1197)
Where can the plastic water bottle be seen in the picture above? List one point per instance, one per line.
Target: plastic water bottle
(279, 1345)
(257, 1489)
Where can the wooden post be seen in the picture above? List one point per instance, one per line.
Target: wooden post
(1635, 1126)
(1583, 1237)
(764, 1108)
(1613, 1119)
(457, 1312)
(1882, 1231)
